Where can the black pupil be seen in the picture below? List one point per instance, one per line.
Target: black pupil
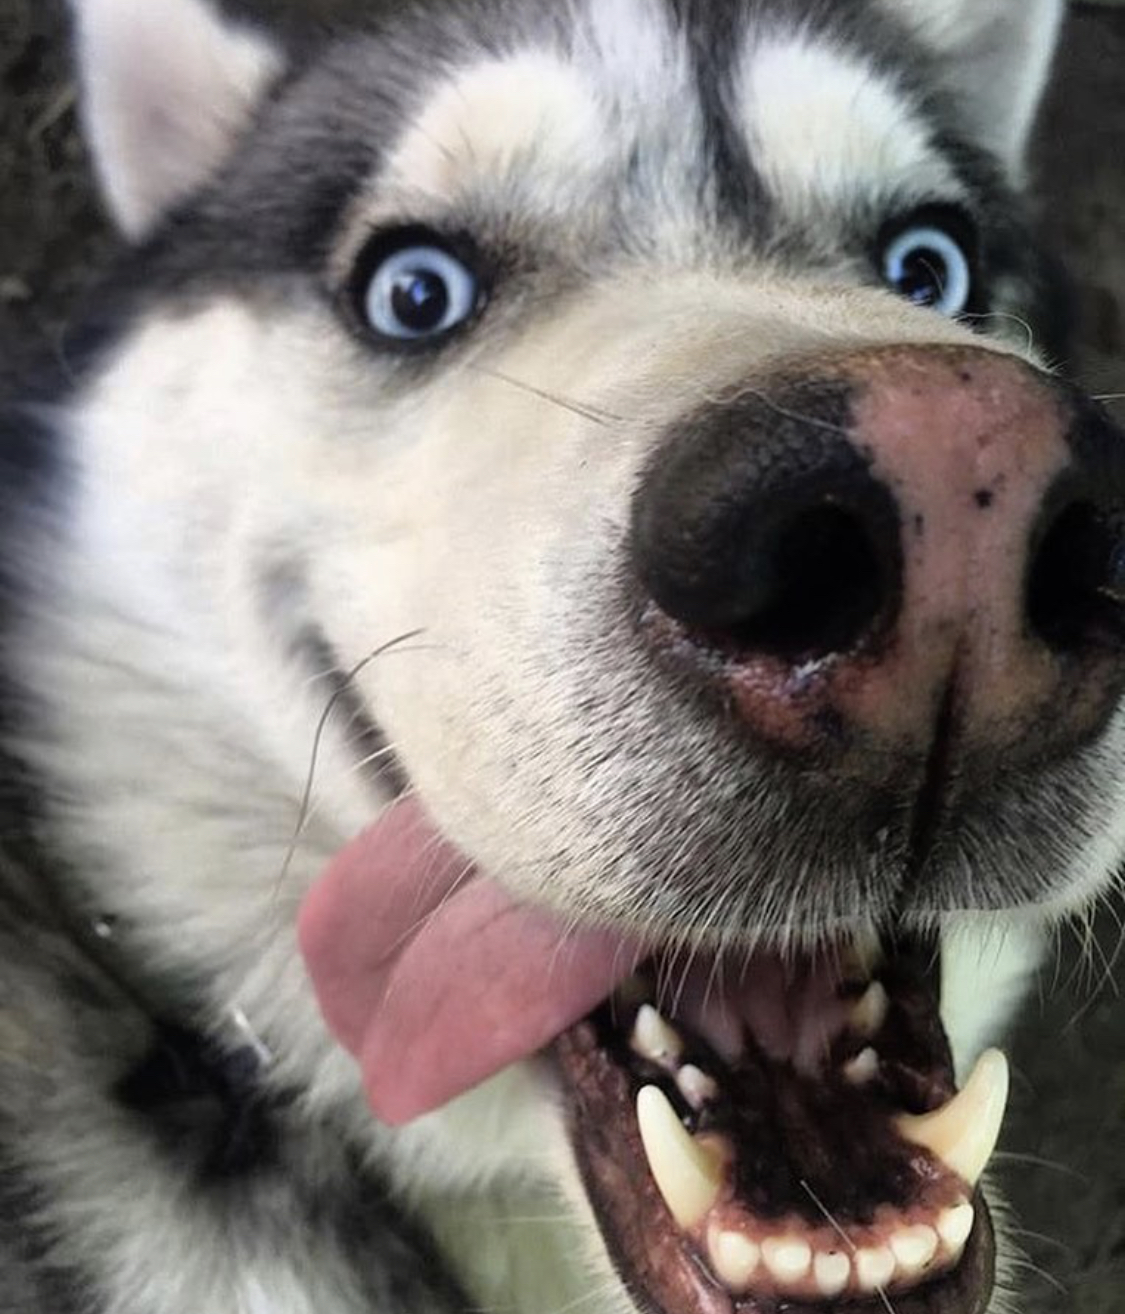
(923, 277)
(420, 300)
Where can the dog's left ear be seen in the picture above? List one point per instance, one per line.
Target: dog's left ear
(996, 56)
(168, 87)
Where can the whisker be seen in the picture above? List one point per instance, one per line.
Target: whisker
(1003, 314)
(1098, 985)
(1021, 1261)
(1037, 1161)
(1044, 1238)
(785, 413)
(503, 1220)
(834, 1223)
(318, 738)
(596, 1294)
(591, 413)
(424, 920)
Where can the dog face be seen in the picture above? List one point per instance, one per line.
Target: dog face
(647, 376)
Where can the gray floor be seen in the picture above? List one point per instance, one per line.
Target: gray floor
(1065, 1139)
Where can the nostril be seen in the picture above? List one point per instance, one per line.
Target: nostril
(819, 587)
(762, 529)
(1076, 583)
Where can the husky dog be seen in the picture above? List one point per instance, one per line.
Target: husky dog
(611, 438)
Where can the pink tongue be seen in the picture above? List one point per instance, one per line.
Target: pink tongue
(432, 976)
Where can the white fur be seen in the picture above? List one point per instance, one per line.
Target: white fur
(645, 67)
(644, 60)
(544, 129)
(528, 111)
(827, 130)
(168, 88)
(987, 966)
(996, 56)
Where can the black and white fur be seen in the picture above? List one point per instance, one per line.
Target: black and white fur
(235, 500)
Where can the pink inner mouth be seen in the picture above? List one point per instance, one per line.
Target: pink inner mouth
(437, 983)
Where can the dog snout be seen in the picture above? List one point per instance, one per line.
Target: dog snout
(891, 545)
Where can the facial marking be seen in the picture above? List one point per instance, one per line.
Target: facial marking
(643, 59)
(825, 128)
(495, 117)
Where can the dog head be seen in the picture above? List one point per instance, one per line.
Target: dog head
(667, 379)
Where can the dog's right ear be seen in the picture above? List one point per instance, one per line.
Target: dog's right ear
(995, 59)
(168, 86)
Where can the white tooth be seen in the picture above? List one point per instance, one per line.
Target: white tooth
(870, 1012)
(913, 1249)
(654, 1039)
(787, 1257)
(832, 1272)
(687, 1172)
(696, 1086)
(734, 1258)
(955, 1226)
(862, 1069)
(964, 1132)
(874, 1268)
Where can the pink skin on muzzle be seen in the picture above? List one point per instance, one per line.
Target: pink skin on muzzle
(432, 976)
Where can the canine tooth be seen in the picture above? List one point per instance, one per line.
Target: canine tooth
(832, 1273)
(696, 1086)
(964, 1132)
(788, 1258)
(913, 1249)
(688, 1174)
(734, 1258)
(870, 1011)
(654, 1039)
(955, 1226)
(874, 1267)
(863, 1068)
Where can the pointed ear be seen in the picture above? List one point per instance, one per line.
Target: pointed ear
(168, 86)
(997, 57)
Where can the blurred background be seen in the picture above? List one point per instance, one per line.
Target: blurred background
(1063, 1164)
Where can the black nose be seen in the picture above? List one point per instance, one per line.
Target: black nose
(761, 525)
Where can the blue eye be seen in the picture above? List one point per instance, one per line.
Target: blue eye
(418, 292)
(927, 265)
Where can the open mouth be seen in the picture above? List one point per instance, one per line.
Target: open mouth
(787, 1136)
(756, 1134)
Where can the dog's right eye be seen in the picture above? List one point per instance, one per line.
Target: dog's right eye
(929, 259)
(411, 287)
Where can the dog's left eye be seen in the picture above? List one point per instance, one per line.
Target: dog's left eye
(415, 289)
(930, 263)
